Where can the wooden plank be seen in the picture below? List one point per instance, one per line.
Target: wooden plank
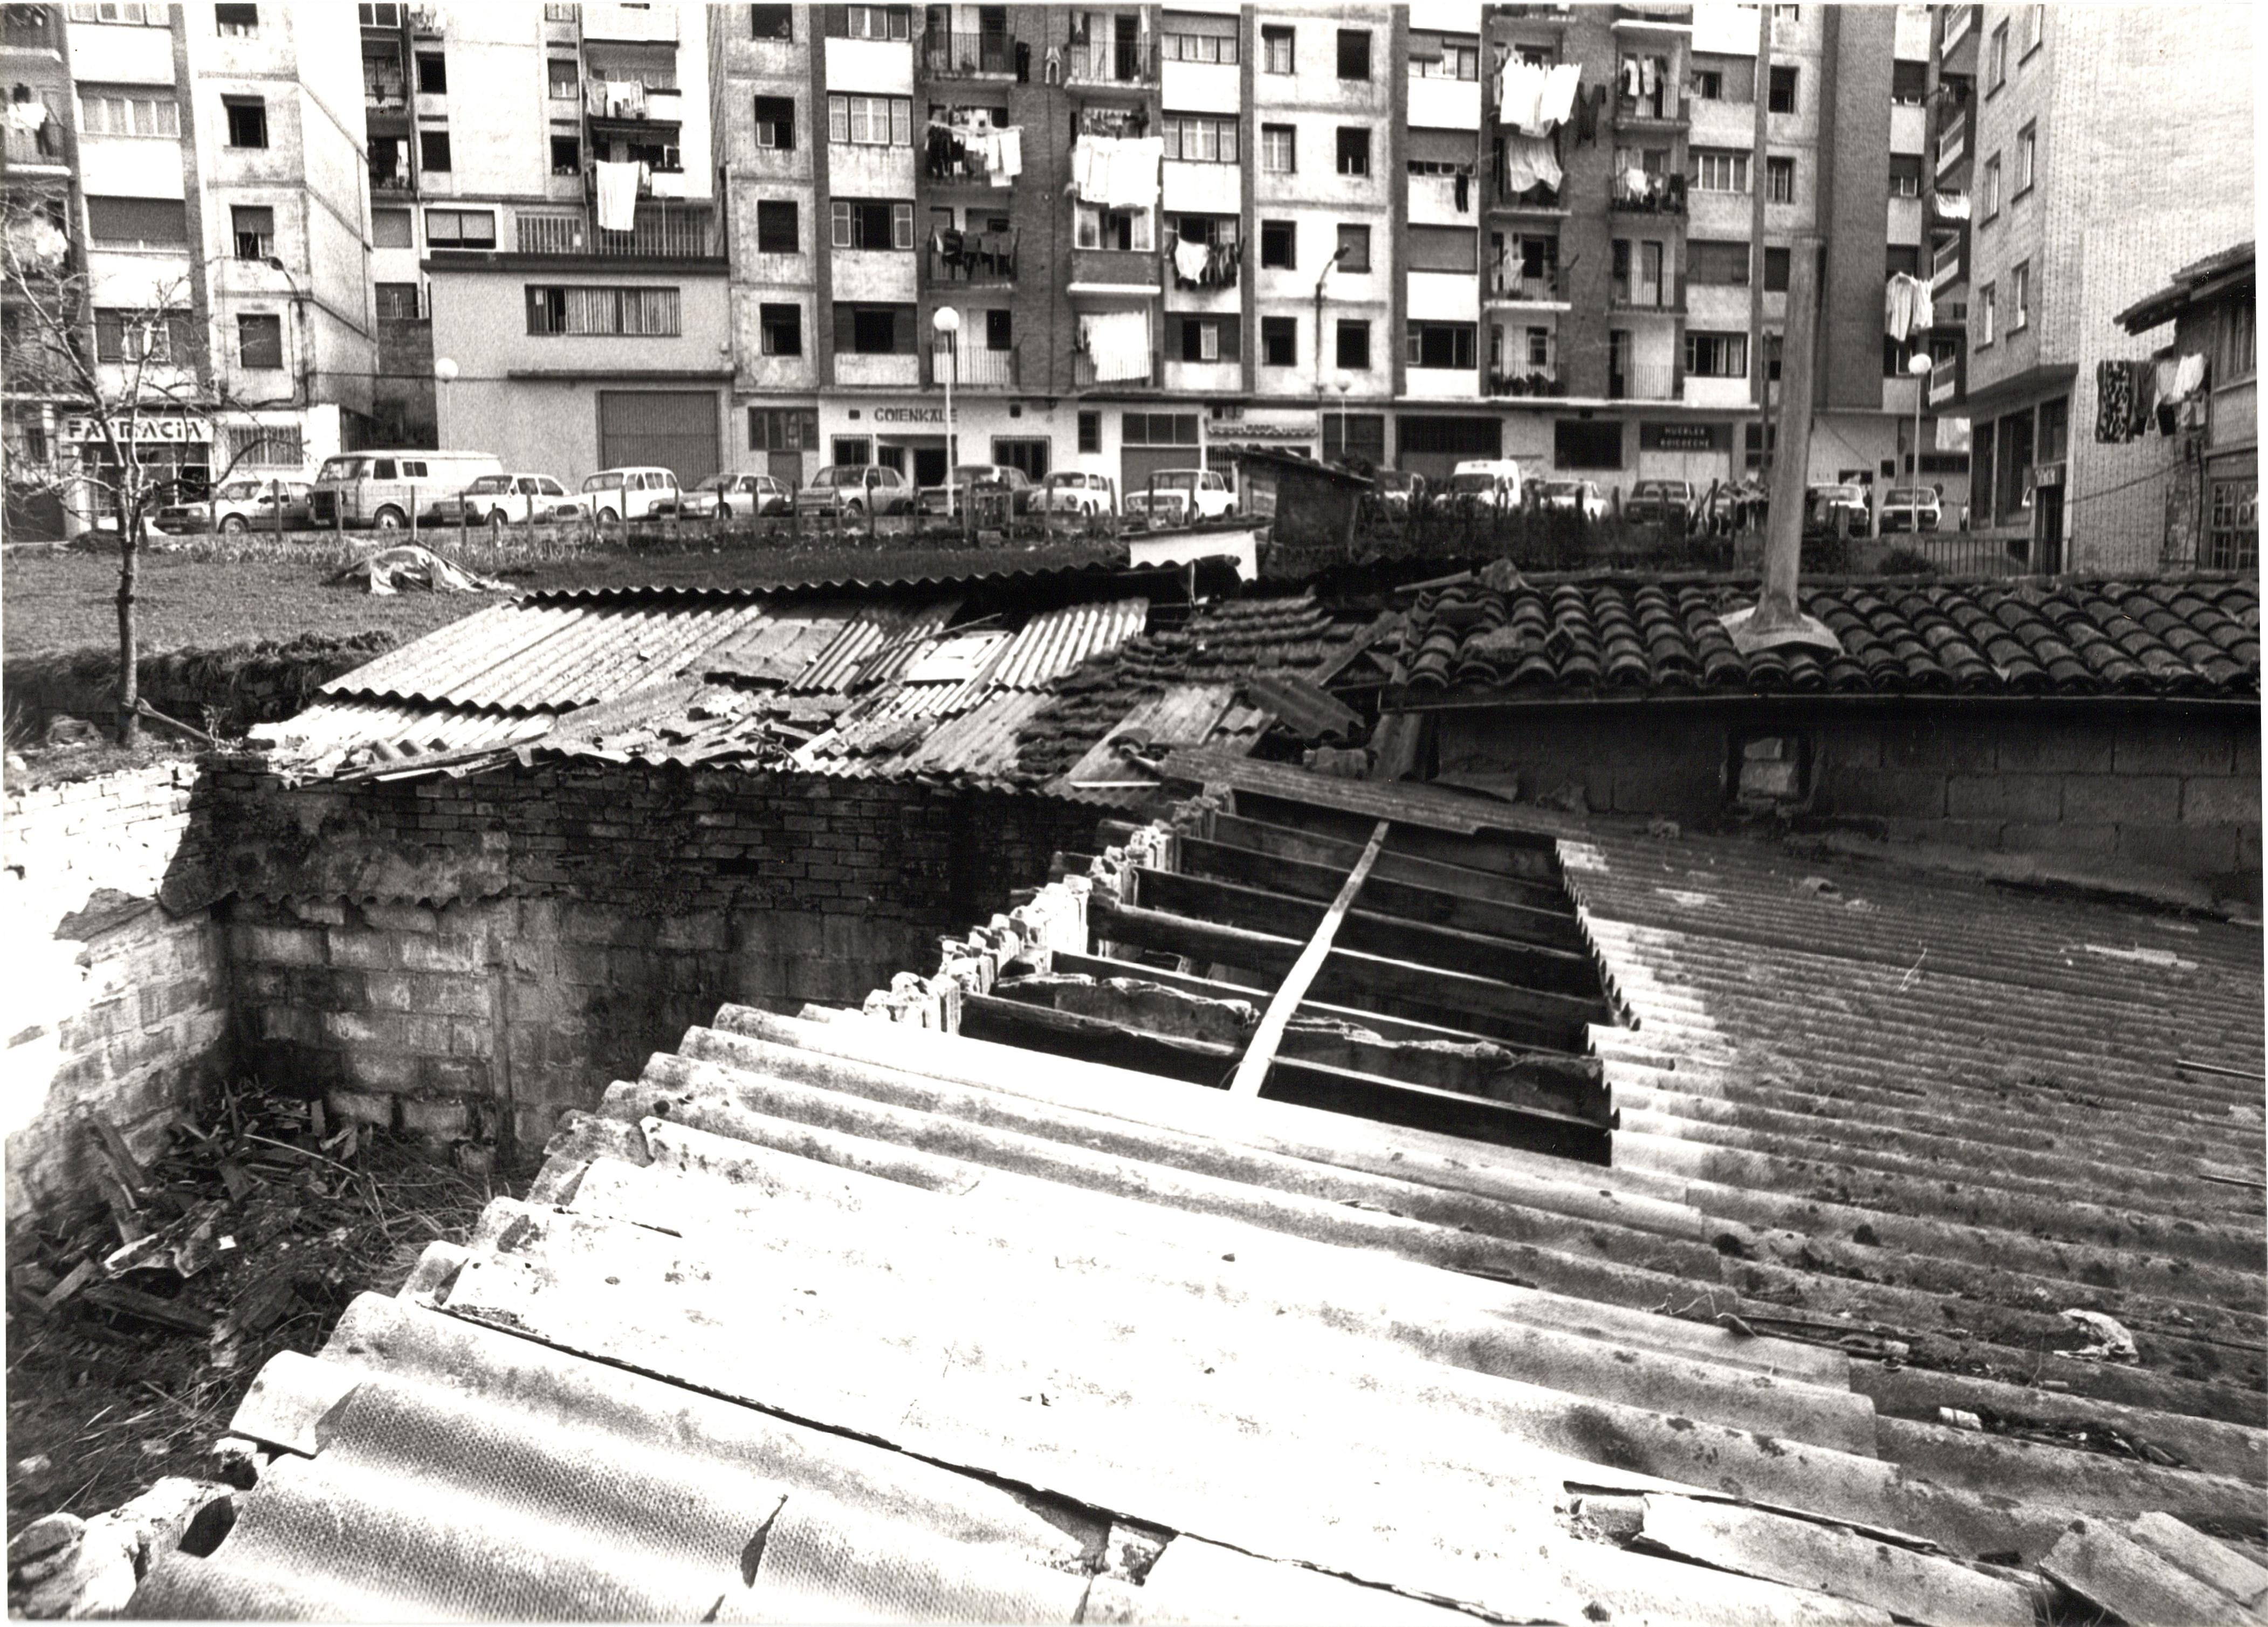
(1445, 1112)
(1252, 1069)
(1431, 806)
(1037, 1028)
(1505, 853)
(1309, 847)
(1401, 900)
(1559, 972)
(2125, 1577)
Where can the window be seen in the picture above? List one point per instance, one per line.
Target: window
(1779, 181)
(872, 225)
(1906, 175)
(781, 326)
(460, 228)
(1776, 264)
(2232, 535)
(2035, 25)
(1433, 57)
(2019, 297)
(878, 22)
(2236, 349)
(1991, 188)
(1276, 50)
(397, 302)
(1159, 428)
(242, 21)
(1539, 347)
(1279, 245)
(432, 74)
(391, 228)
(380, 16)
(771, 22)
(1442, 344)
(999, 330)
(1279, 151)
(1987, 305)
(853, 450)
(1909, 84)
(783, 428)
(1353, 345)
(157, 14)
(1201, 339)
(121, 112)
(1196, 38)
(777, 229)
(1717, 355)
(1279, 341)
(566, 153)
(1996, 60)
(1716, 263)
(1780, 94)
(247, 121)
(1354, 248)
(1902, 257)
(160, 337)
(610, 312)
(1354, 54)
(1121, 231)
(566, 79)
(433, 150)
(2027, 141)
(259, 341)
(1194, 140)
(874, 329)
(1719, 169)
(1709, 84)
(254, 232)
(776, 123)
(871, 121)
(1354, 151)
(137, 222)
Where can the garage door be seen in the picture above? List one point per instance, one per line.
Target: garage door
(673, 429)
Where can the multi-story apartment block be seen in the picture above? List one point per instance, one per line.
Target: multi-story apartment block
(205, 162)
(2069, 222)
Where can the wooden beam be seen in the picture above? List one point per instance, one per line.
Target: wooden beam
(1036, 1028)
(1503, 852)
(1309, 847)
(1523, 965)
(1399, 900)
(1252, 1069)
(1424, 1107)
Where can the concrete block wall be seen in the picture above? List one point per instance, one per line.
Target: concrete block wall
(2155, 786)
(112, 1002)
(630, 903)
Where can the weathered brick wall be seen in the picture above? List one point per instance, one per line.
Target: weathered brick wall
(457, 956)
(2162, 787)
(111, 1001)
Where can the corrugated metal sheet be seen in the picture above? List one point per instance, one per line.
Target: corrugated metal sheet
(1053, 643)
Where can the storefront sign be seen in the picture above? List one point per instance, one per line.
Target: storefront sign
(1681, 437)
(1248, 431)
(178, 430)
(909, 415)
(2048, 475)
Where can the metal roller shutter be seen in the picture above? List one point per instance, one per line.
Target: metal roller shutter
(672, 429)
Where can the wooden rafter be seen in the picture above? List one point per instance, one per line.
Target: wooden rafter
(1252, 1072)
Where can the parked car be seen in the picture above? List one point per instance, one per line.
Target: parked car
(611, 496)
(1186, 494)
(1911, 508)
(1481, 482)
(1580, 496)
(946, 499)
(495, 500)
(1825, 506)
(1659, 502)
(855, 488)
(1401, 493)
(736, 496)
(1738, 504)
(1075, 491)
(242, 506)
(384, 489)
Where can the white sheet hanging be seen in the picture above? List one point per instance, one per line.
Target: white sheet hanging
(1556, 101)
(618, 191)
(1528, 159)
(1009, 158)
(1134, 164)
(1189, 259)
(1117, 344)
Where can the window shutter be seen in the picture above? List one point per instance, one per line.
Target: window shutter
(902, 121)
(846, 327)
(1232, 338)
(838, 21)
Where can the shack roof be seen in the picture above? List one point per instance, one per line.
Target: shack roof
(2199, 279)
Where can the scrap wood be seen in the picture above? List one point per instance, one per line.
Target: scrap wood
(148, 1307)
(117, 1157)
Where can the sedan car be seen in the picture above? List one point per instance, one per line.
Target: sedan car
(1401, 493)
(1579, 496)
(242, 506)
(1826, 507)
(1185, 494)
(855, 488)
(499, 500)
(946, 499)
(1664, 502)
(1911, 508)
(737, 496)
(1075, 491)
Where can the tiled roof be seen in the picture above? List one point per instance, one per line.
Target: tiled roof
(2197, 638)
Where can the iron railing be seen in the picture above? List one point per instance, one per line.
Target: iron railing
(966, 56)
(1527, 381)
(974, 367)
(972, 257)
(1664, 106)
(1512, 283)
(1643, 381)
(1083, 376)
(1655, 195)
(664, 231)
(1111, 62)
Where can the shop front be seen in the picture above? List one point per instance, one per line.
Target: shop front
(172, 453)
(909, 435)
(1696, 452)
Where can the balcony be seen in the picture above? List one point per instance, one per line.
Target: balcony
(1945, 382)
(1537, 199)
(1082, 376)
(970, 56)
(878, 370)
(1513, 286)
(662, 231)
(1624, 300)
(1441, 200)
(955, 165)
(392, 181)
(976, 368)
(1652, 19)
(1112, 63)
(631, 102)
(1643, 381)
(1224, 262)
(1945, 266)
(1530, 382)
(971, 257)
(1646, 193)
(1959, 19)
(1664, 107)
(603, 19)
(34, 149)
(1952, 146)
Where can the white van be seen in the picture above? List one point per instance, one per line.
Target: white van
(640, 492)
(383, 488)
(1485, 482)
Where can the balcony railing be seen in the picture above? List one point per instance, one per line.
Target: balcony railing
(391, 180)
(1662, 301)
(1642, 381)
(1111, 62)
(1529, 381)
(1653, 195)
(628, 98)
(1952, 146)
(1537, 196)
(1958, 21)
(1513, 285)
(1082, 375)
(1222, 264)
(1432, 196)
(975, 367)
(1664, 106)
(661, 232)
(968, 55)
(972, 257)
(1945, 268)
(41, 146)
(1944, 381)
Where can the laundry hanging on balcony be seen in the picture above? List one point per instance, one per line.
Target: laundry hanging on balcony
(625, 98)
(2181, 393)
(1529, 161)
(1950, 205)
(26, 116)
(2125, 400)
(1906, 308)
(617, 187)
(1534, 99)
(1191, 259)
(1117, 173)
(1117, 344)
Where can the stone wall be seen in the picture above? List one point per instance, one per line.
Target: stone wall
(464, 957)
(113, 1000)
(235, 688)
(2159, 786)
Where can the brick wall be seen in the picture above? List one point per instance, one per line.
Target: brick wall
(463, 956)
(2161, 787)
(112, 1000)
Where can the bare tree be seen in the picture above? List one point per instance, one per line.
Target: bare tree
(161, 375)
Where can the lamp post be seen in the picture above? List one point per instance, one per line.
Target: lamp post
(1329, 266)
(298, 328)
(1346, 386)
(946, 324)
(444, 373)
(1919, 365)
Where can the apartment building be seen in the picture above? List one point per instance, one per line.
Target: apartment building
(2069, 221)
(205, 162)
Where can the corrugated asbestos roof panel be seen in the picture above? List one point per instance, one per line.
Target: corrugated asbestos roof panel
(427, 668)
(1052, 644)
(874, 645)
(335, 726)
(777, 649)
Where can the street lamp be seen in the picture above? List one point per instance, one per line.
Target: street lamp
(1921, 366)
(946, 324)
(1329, 266)
(1346, 386)
(298, 327)
(444, 373)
